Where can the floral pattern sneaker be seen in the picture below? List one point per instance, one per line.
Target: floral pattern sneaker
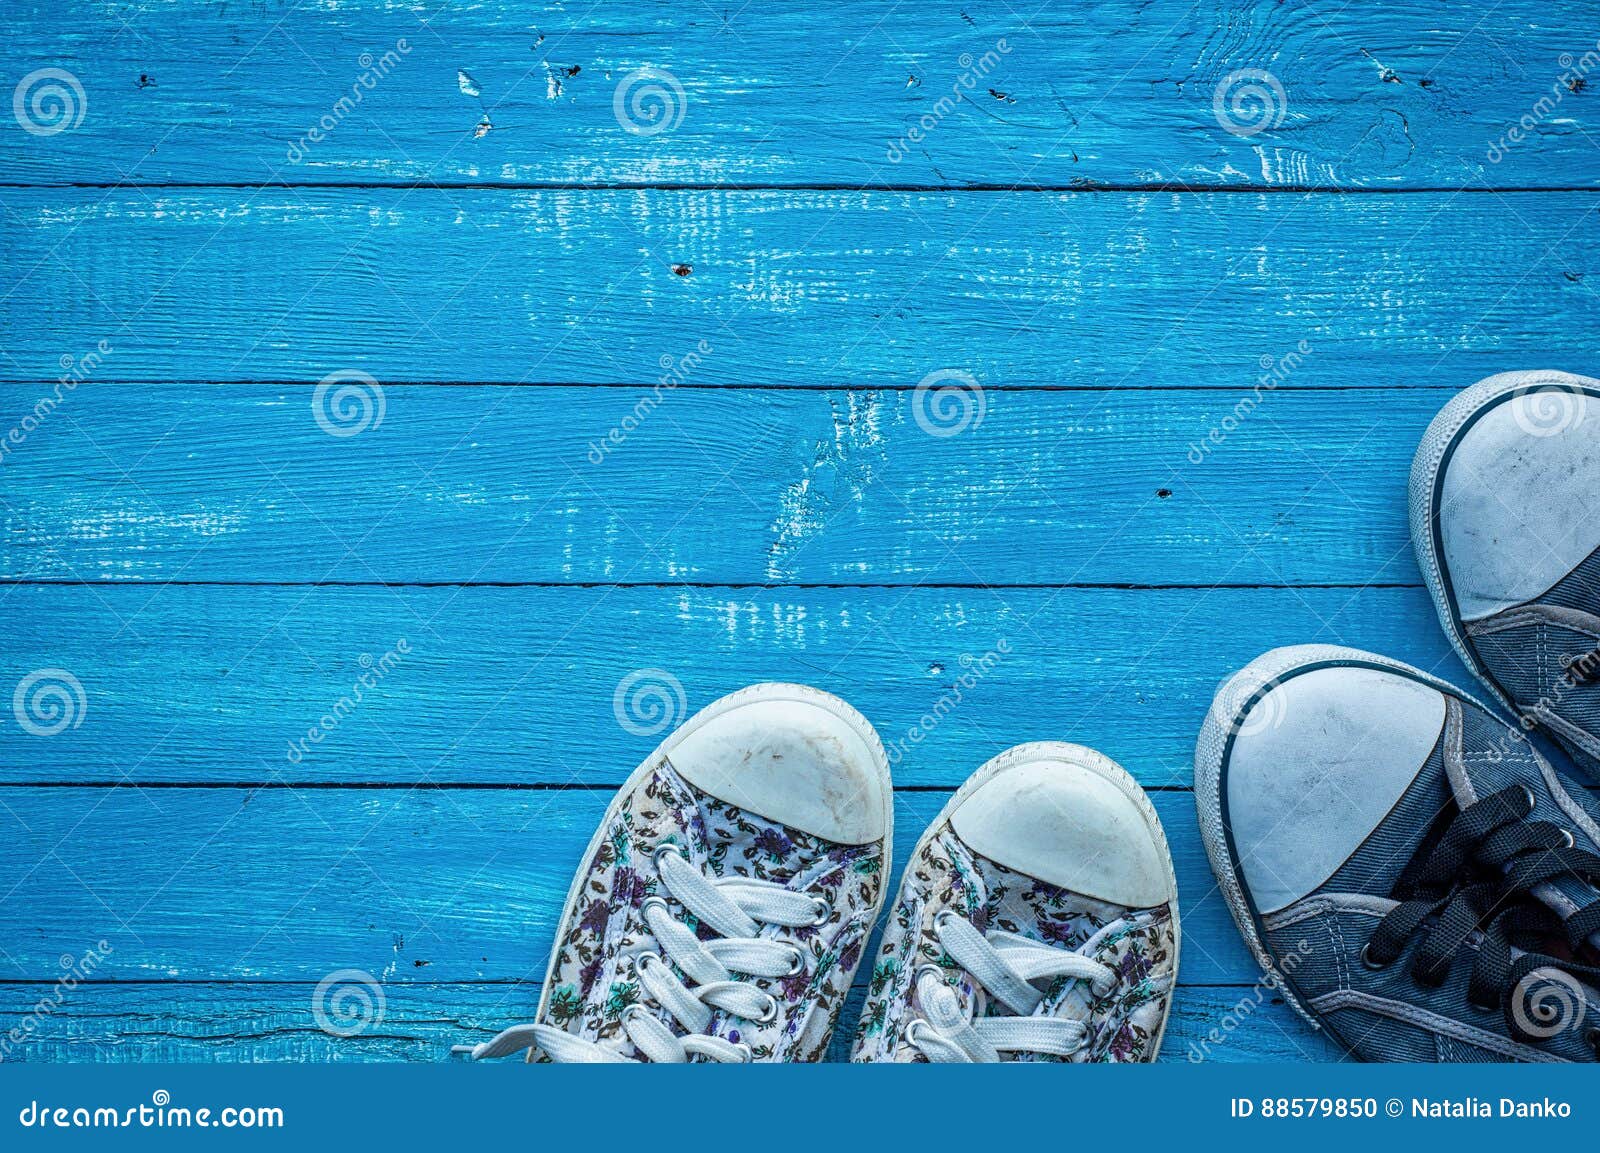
(1507, 533)
(1037, 921)
(724, 903)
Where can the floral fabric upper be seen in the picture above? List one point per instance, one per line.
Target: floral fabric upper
(592, 979)
(1124, 1025)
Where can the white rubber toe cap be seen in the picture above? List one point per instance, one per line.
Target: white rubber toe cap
(794, 755)
(1518, 505)
(1318, 761)
(1071, 818)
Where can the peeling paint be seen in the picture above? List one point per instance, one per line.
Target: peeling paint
(842, 470)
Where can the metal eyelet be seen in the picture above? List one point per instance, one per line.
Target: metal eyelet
(748, 1054)
(642, 961)
(824, 911)
(937, 971)
(1533, 801)
(1366, 958)
(632, 1012)
(652, 903)
(1593, 1038)
(914, 1031)
(942, 918)
(798, 964)
(770, 1013)
(1571, 841)
(663, 849)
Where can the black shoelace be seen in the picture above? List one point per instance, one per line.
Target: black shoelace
(1475, 877)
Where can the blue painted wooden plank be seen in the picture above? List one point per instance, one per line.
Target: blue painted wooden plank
(174, 1022)
(409, 885)
(1329, 94)
(520, 685)
(242, 483)
(806, 289)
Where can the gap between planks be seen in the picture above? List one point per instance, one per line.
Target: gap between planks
(716, 386)
(777, 586)
(1086, 187)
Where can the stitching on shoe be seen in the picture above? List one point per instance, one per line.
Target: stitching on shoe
(1430, 1022)
(1360, 903)
(1454, 753)
(1537, 614)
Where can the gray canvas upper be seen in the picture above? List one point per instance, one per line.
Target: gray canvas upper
(1317, 864)
(1506, 521)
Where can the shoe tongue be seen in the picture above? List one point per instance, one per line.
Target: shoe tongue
(1484, 756)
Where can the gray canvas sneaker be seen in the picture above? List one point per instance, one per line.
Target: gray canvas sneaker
(1036, 921)
(1419, 879)
(723, 905)
(1505, 518)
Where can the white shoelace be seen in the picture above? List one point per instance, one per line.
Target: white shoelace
(730, 905)
(1005, 965)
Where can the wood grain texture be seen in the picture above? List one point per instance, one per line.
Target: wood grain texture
(480, 217)
(519, 685)
(169, 1021)
(733, 486)
(425, 885)
(806, 289)
(1393, 96)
